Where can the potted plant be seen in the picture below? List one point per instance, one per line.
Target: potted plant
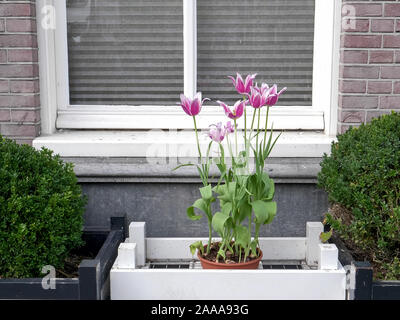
(362, 178)
(42, 242)
(244, 196)
(267, 268)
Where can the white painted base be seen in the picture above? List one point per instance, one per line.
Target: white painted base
(133, 283)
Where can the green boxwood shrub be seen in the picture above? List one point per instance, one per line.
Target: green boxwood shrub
(41, 210)
(362, 178)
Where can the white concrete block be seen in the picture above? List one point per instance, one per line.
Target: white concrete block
(328, 257)
(137, 234)
(313, 231)
(126, 256)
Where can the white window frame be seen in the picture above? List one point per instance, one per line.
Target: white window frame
(57, 113)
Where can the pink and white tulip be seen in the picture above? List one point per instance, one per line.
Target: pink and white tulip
(241, 86)
(258, 97)
(217, 132)
(237, 111)
(273, 95)
(229, 128)
(192, 107)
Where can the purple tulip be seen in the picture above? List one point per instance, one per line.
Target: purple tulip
(237, 111)
(273, 95)
(217, 133)
(240, 86)
(229, 128)
(192, 107)
(258, 97)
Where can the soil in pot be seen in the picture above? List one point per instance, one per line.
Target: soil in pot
(231, 262)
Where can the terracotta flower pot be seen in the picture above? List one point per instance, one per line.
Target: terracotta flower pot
(207, 264)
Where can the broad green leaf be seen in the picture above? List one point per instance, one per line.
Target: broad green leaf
(222, 253)
(218, 222)
(243, 236)
(226, 208)
(264, 211)
(244, 209)
(206, 192)
(199, 204)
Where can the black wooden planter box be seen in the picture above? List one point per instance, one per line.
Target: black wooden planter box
(93, 282)
(364, 288)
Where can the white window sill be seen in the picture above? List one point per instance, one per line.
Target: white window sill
(180, 144)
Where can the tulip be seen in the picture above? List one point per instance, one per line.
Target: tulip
(192, 107)
(273, 95)
(258, 97)
(229, 128)
(237, 111)
(217, 133)
(240, 86)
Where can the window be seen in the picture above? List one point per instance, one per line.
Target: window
(122, 64)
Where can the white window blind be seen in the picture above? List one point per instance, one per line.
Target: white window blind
(125, 52)
(273, 38)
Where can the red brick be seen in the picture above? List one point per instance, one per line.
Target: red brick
(397, 57)
(382, 25)
(352, 116)
(22, 55)
(25, 115)
(19, 130)
(358, 102)
(5, 115)
(19, 101)
(24, 86)
(353, 86)
(398, 26)
(18, 71)
(24, 141)
(4, 86)
(359, 72)
(357, 41)
(21, 25)
(379, 87)
(381, 56)
(368, 10)
(18, 40)
(16, 10)
(396, 87)
(390, 102)
(2, 25)
(3, 56)
(360, 26)
(350, 56)
(392, 10)
(375, 114)
(391, 41)
(392, 72)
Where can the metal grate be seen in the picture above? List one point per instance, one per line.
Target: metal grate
(194, 264)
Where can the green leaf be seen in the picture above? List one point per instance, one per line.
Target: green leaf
(196, 245)
(222, 253)
(199, 204)
(325, 236)
(264, 211)
(206, 192)
(218, 222)
(243, 236)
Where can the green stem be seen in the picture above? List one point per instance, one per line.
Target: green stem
(266, 126)
(209, 237)
(258, 127)
(197, 138)
(236, 140)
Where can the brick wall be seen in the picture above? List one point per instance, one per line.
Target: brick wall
(19, 82)
(369, 83)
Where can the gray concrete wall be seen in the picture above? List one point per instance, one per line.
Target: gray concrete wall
(154, 194)
(163, 207)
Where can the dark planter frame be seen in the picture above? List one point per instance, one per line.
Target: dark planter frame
(93, 282)
(363, 287)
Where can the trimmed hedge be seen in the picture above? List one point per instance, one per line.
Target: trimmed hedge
(362, 175)
(41, 210)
